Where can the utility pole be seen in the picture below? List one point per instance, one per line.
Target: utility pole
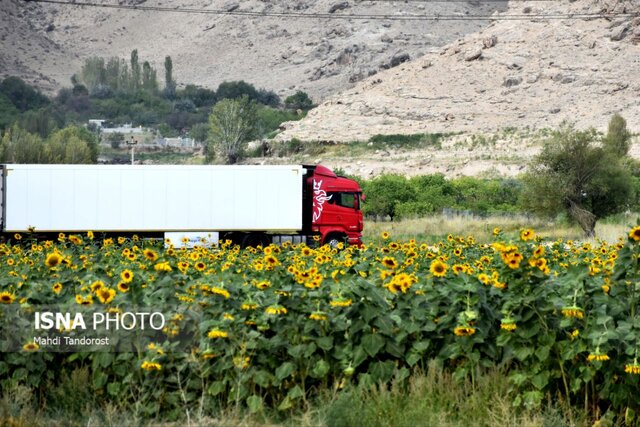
(132, 144)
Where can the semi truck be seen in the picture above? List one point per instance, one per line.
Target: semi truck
(249, 205)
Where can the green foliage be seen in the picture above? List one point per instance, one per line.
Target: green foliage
(23, 96)
(201, 97)
(299, 101)
(68, 145)
(8, 112)
(618, 138)
(238, 89)
(575, 175)
(428, 194)
(269, 120)
(20, 146)
(232, 125)
(385, 193)
(170, 84)
(199, 132)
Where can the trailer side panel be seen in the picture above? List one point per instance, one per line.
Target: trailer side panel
(152, 198)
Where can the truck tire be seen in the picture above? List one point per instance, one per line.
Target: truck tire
(255, 240)
(333, 239)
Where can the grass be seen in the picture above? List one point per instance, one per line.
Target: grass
(436, 228)
(433, 398)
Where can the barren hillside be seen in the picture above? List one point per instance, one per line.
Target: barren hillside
(526, 73)
(47, 43)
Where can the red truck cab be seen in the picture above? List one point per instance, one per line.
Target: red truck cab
(333, 207)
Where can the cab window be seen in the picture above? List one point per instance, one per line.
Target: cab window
(347, 200)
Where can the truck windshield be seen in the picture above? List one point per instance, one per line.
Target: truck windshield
(347, 200)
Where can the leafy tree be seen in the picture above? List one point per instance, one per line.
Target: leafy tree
(8, 112)
(149, 78)
(77, 143)
(268, 97)
(19, 146)
(385, 193)
(231, 126)
(93, 73)
(201, 97)
(617, 139)
(574, 174)
(136, 75)
(299, 101)
(170, 84)
(236, 89)
(23, 96)
(199, 132)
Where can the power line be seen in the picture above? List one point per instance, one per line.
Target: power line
(384, 17)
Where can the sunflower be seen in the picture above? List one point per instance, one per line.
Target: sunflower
(318, 315)
(527, 234)
(31, 346)
(276, 310)
(573, 311)
(57, 287)
(123, 287)
(88, 300)
(150, 254)
(634, 234)
(97, 285)
(248, 306)
(632, 368)
(341, 302)
(217, 333)
(200, 266)
(464, 331)
(220, 291)
(385, 235)
(53, 260)
(389, 262)
(7, 298)
(106, 295)
(151, 366)
(438, 268)
(598, 357)
(126, 276)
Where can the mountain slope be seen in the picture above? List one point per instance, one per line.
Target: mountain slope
(320, 56)
(532, 73)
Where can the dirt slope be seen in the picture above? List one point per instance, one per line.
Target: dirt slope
(532, 73)
(321, 56)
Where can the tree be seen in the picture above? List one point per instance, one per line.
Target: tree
(574, 174)
(617, 140)
(135, 71)
(149, 79)
(298, 101)
(199, 132)
(236, 89)
(23, 96)
(170, 84)
(385, 193)
(231, 126)
(20, 146)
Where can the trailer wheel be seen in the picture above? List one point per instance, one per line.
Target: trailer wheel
(255, 240)
(334, 239)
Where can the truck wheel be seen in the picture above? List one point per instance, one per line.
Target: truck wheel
(333, 239)
(255, 240)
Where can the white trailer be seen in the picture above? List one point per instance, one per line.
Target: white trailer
(125, 198)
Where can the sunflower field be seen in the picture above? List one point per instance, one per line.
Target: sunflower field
(275, 324)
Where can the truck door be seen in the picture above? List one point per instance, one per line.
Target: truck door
(343, 209)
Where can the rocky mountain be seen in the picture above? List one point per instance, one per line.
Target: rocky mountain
(524, 70)
(319, 46)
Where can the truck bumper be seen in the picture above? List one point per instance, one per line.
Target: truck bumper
(355, 240)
